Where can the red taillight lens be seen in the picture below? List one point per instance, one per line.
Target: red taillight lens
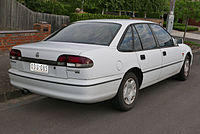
(75, 61)
(15, 54)
(62, 60)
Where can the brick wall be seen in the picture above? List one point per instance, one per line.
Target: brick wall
(12, 38)
(194, 22)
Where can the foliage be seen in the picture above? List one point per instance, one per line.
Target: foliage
(175, 24)
(86, 16)
(66, 7)
(46, 6)
(185, 10)
(192, 43)
(149, 6)
(182, 28)
(148, 15)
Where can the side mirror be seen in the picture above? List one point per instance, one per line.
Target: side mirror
(179, 41)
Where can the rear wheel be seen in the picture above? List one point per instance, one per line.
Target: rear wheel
(127, 93)
(185, 70)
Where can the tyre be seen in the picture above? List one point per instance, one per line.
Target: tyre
(127, 93)
(185, 70)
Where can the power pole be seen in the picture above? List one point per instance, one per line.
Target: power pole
(170, 18)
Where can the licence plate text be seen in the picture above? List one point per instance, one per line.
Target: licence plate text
(39, 67)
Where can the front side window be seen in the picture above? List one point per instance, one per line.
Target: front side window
(146, 36)
(127, 41)
(87, 33)
(164, 39)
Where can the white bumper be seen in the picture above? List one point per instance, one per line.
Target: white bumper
(82, 91)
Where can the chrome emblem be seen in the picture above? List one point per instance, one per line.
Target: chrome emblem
(37, 54)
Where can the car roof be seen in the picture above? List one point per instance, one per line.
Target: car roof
(118, 21)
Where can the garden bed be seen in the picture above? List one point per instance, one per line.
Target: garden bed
(193, 45)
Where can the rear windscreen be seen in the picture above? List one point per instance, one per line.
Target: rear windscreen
(88, 33)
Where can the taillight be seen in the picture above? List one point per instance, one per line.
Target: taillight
(74, 61)
(15, 54)
(62, 60)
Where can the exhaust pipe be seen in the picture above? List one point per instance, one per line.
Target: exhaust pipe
(25, 91)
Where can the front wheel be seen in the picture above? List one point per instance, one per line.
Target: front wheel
(127, 92)
(185, 70)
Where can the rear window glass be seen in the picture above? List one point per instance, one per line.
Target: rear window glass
(87, 33)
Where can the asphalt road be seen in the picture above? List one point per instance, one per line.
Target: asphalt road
(169, 107)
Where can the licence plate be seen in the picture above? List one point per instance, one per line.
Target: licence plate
(39, 67)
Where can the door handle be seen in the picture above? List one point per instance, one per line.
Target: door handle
(142, 57)
(164, 53)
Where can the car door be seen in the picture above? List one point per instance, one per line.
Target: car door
(150, 58)
(171, 54)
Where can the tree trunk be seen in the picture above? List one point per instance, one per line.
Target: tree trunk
(103, 11)
(120, 12)
(125, 12)
(186, 24)
(133, 14)
(145, 15)
(82, 5)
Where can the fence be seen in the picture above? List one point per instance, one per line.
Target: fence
(15, 16)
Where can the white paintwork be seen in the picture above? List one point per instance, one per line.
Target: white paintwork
(149, 64)
(173, 54)
(104, 78)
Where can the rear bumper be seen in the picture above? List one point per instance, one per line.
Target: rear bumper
(82, 91)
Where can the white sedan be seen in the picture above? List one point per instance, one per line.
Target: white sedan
(96, 60)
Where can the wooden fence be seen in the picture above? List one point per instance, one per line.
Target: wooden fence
(14, 16)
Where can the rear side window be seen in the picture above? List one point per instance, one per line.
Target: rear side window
(127, 41)
(164, 39)
(146, 36)
(137, 43)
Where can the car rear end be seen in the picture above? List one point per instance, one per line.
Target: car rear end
(63, 70)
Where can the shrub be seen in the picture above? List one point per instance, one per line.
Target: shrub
(87, 16)
(154, 15)
(46, 6)
(175, 24)
(190, 43)
(179, 24)
(182, 28)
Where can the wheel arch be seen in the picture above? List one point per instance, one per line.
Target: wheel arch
(138, 72)
(190, 56)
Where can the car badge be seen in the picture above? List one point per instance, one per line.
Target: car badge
(37, 54)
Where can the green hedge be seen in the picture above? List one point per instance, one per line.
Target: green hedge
(154, 15)
(175, 24)
(179, 24)
(182, 28)
(87, 16)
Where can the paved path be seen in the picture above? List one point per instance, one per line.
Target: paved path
(169, 107)
(188, 35)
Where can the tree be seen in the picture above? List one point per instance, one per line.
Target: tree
(185, 10)
(149, 6)
(103, 5)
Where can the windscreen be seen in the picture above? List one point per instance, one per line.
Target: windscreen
(87, 33)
